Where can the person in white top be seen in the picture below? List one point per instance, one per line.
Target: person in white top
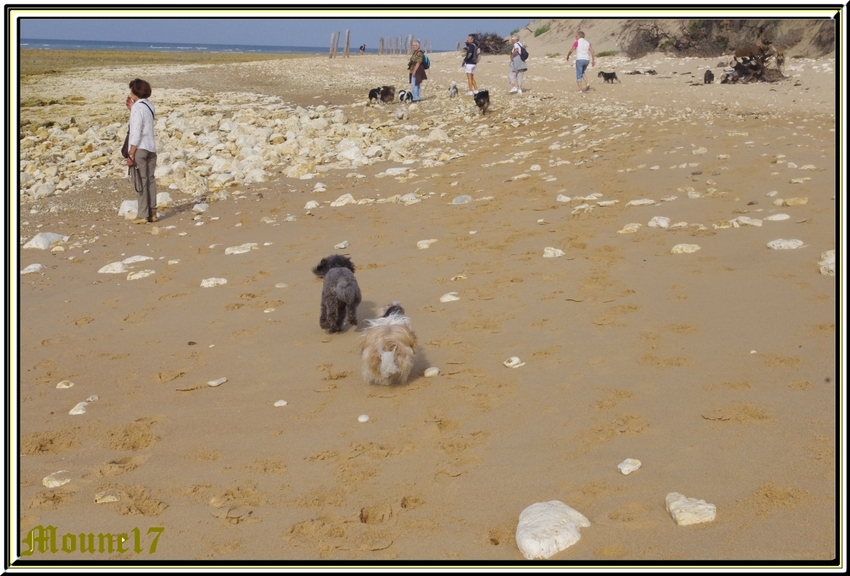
(142, 149)
(516, 66)
(584, 56)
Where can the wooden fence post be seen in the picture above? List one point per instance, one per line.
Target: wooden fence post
(347, 33)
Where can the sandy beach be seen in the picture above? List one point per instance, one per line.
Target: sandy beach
(716, 368)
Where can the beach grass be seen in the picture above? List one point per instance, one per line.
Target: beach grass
(51, 62)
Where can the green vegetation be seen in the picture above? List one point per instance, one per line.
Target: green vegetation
(553, 55)
(514, 31)
(541, 30)
(608, 53)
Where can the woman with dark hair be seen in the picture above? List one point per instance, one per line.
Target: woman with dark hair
(142, 149)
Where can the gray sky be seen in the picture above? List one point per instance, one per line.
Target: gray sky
(443, 33)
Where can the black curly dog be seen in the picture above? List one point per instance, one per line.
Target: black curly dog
(609, 76)
(340, 292)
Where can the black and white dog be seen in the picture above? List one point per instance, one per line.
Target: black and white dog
(453, 90)
(405, 96)
(340, 292)
(708, 78)
(609, 77)
(482, 100)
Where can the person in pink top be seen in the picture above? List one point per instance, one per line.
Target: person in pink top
(584, 56)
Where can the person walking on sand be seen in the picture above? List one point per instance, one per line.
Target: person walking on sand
(142, 150)
(417, 70)
(516, 66)
(584, 56)
(362, 49)
(470, 61)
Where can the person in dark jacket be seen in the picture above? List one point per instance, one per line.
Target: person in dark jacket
(470, 61)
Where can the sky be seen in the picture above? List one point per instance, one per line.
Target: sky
(275, 30)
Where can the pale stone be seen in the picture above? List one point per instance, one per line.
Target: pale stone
(217, 382)
(450, 297)
(659, 222)
(630, 228)
(550, 252)
(44, 240)
(280, 403)
(128, 209)
(781, 244)
(827, 263)
(241, 249)
(140, 274)
(113, 268)
(628, 466)
(686, 511)
(56, 479)
(210, 282)
(684, 248)
(431, 372)
(343, 200)
(422, 244)
(546, 528)
(106, 496)
(33, 268)
(641, 202)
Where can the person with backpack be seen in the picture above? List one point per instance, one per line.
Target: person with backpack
(416, 67)
(517, 65)
(470, 61)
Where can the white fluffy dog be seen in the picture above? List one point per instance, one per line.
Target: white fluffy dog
(388, 348)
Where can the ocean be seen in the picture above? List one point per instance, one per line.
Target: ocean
(40, 44)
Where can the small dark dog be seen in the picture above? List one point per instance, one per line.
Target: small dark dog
(405, 96)
(388, 348)
(708, 78)
(383, 93)
(340, 292)
(482, 100)
(387, 94)
(609, 77)
(453, 90)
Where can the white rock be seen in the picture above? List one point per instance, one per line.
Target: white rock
(44, 240)
(546, 528)
(409, 198)
(450, 297)
(827, 263)
(777, 217)
(659, 222)
(684, 248)
(113, 268)
(217, 382)
(342, 245)
(687, 511)
(312, 204)
(140, 274)
(668, 198)
(628, 466)
(280, 403)
(747, 221)
(550, 252)
(32, 269)
(562, 198)
(422, 244)
(134, 259)
(462, 199)
(164, 199)
(363, 418)
(80, 408)
(605, 203)
(64, 384)
(772, 193)
(699, 151)
(129, 209)
(630, 228)
(106, 496)
(200, 208)
(343, 200)
(513, 362)
(431, 372)
(641, 202)
(57, 479)
(241, 249)
(781, 244)
(210, 282)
